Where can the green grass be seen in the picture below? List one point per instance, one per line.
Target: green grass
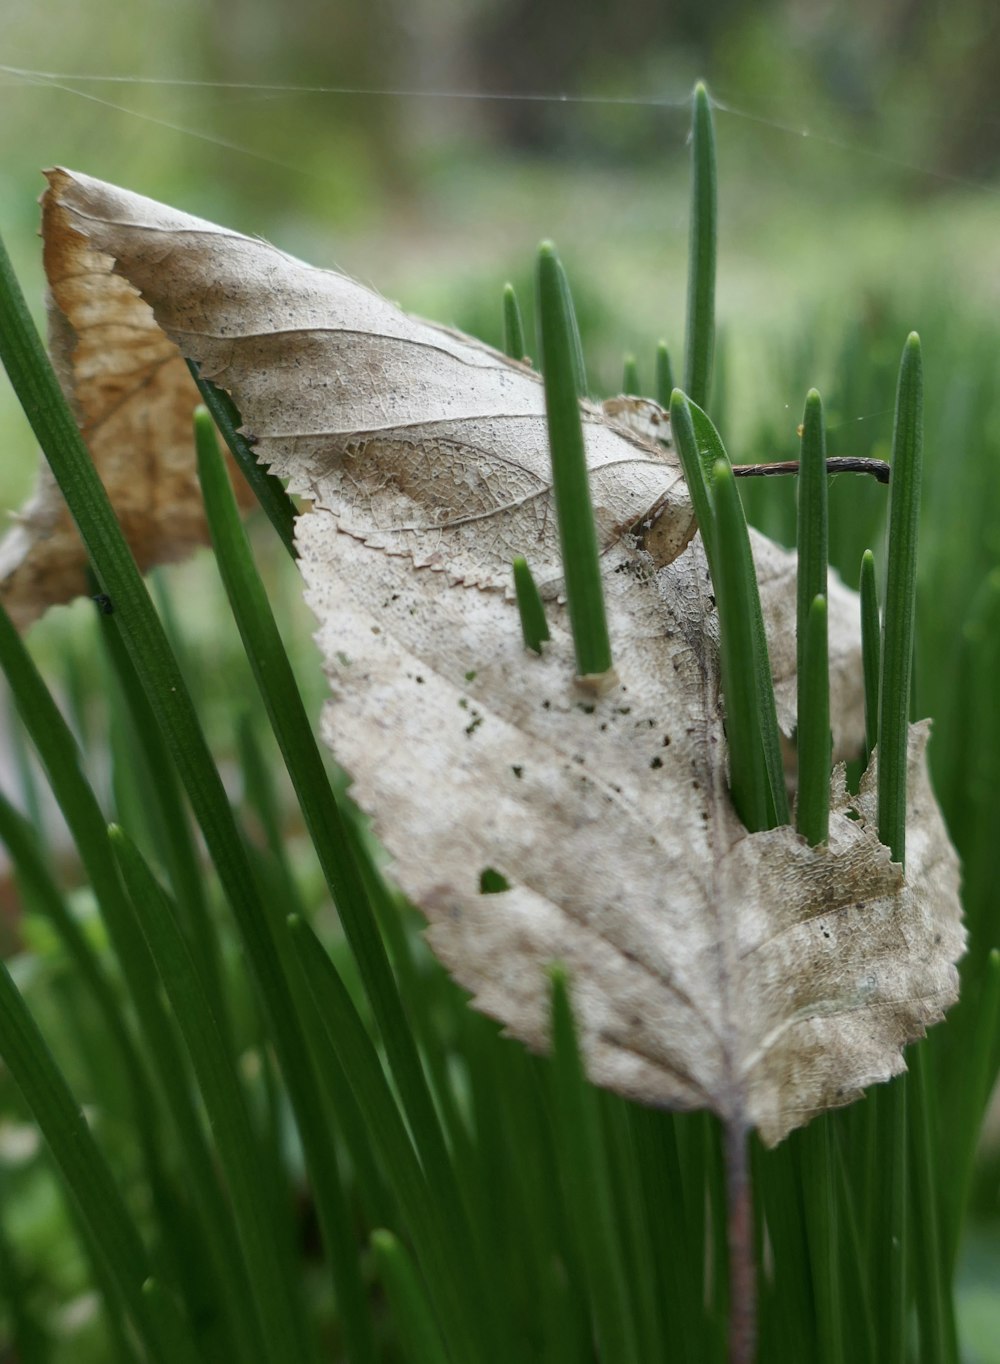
(474, 1202)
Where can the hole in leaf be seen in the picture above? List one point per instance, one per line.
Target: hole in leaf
(491, 882)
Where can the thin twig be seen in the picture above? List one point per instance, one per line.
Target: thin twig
(844, 465)
(742, 1269)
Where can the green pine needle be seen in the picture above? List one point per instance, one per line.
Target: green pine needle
(589, 1187)
(267, 488)
(664, 376)
(734, 587)
(900, 601)
(416, 1328)
(871, 646)
(82, 1165)
(513, 326)
(534, 628)
(577, 532)
(812, 537)
(271, 1306)
(702, 248)
(813, 813)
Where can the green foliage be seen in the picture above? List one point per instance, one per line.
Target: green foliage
(757, 776)
(534, 629)
(475, 1203)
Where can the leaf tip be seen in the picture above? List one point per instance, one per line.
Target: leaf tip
(558, 979)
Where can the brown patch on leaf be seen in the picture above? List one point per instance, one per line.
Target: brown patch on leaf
(133, 397)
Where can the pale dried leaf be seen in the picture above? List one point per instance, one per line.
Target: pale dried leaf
(711, 968)
(747, 973)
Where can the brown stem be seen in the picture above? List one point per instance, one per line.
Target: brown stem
(846, 465)
(742, 1269)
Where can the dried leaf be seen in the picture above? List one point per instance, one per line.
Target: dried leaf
(133, 396)
(747, 973)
